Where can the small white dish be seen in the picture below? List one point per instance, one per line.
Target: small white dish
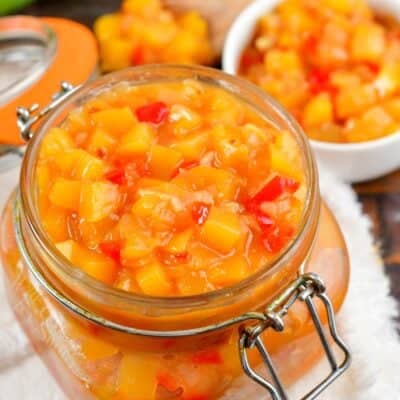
(352, 162)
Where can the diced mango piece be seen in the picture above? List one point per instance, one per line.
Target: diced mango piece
(98, 200)
(229, 272)
(222, 183)
(179, 243)
(141, 7)
(341, 6)
(138, 374)
(153, 280)
(101, 141)
(54, 220)
(183, 119)
(164, 161)
(368, 42)
(318, 111)
(353, 100)
(282, 61)
(115, 120)
(66, 193)
(373, 124)
(115, 53)
(137, 246)
(55, 141)
(194, 23)
(107, 26)
(137, 141)
(79, 164)
(94, 264)
(94, 348)
(388, 80)
(283, 165)
(144, 206)
(231, 152)
(192, 146)
(392, 106)
(221, 231)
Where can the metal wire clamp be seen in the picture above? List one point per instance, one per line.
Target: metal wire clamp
(305, 288)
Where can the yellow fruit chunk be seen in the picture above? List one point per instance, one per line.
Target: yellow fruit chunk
(55, 141)
(100, 140)
(221, 231)
(137, 141)
(115, 53)
(98, 200)
(136, 247)
(282, 61)
(229, 272)
(221, 183)
(368, 42)
(388, 80)
(192, 284)
(318, 110)
(54, 221)
(107, 26)
(183, 119)
(373, 124)
(79, 164)
(138, 376)
(231, 152)
(66, 193)
(145, 205)
(179, 243)
(115, 120)
(153, 280)
(392, 106)
(142, 7)
(94, 348)
(94, 264)
(353, 100)
(340, 6)
(194, 23)
(192, 146)
(164, 161)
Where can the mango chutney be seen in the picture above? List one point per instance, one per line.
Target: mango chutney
(161, 211)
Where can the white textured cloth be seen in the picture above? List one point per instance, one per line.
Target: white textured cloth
(365, 320)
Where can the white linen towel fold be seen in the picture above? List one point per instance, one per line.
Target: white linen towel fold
(366, 320)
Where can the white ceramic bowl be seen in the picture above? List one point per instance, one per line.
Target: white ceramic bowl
(353, 162)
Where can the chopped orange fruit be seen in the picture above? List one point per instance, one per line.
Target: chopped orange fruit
(174, 187)
(328, 63)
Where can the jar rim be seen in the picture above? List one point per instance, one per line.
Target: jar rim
(152, 74)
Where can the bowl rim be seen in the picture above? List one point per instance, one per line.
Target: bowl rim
(249, 15)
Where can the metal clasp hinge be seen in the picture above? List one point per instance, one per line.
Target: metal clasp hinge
(305, 288)
(27, 117)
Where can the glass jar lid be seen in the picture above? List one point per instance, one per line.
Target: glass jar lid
(36, 54)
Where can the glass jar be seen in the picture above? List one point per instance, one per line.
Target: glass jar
(101, 342)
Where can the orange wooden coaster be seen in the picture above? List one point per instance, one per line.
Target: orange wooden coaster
(75, 61)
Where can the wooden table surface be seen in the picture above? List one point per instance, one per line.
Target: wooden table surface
(380, 198)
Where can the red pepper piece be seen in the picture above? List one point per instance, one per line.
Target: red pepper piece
(185, 166)
(137, 57)
(111, 249)
(155, 113)
(265, 221)
(271, 191)
(319, 81)
(310, 44)
(117, 176)
(374, 68)
(167, 381)
(250, 57)
(275, 239)
(200, 212)
(207, 357)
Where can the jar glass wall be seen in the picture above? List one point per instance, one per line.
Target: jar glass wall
(95, 339)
